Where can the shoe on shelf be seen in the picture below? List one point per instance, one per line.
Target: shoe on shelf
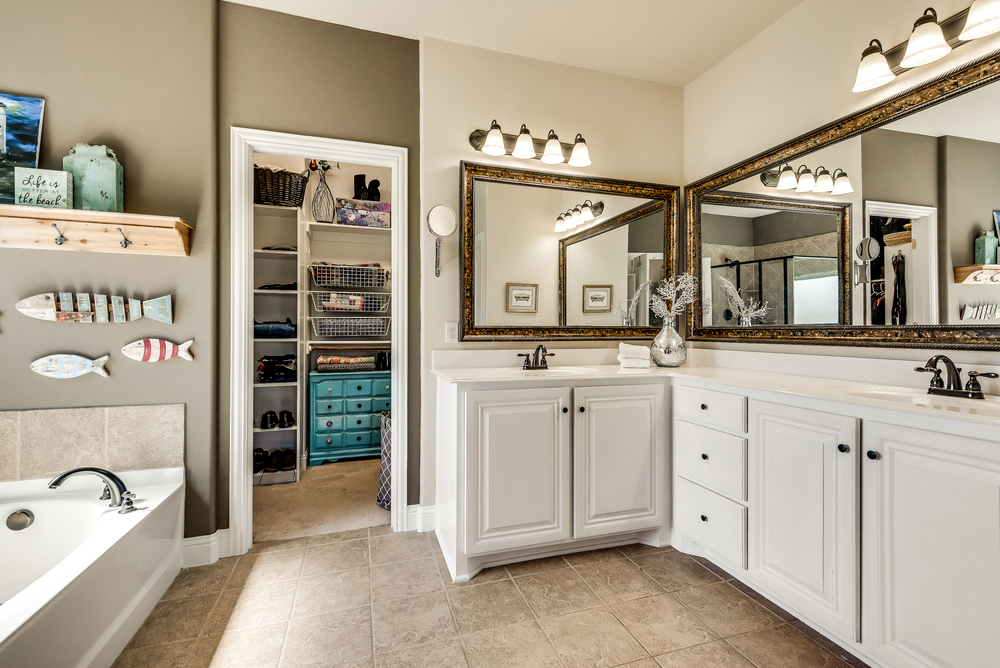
(259, 459)
(287, 459)
(285, 419)
(269, 420)
(273, 461)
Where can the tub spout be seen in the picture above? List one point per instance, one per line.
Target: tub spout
(114, 485)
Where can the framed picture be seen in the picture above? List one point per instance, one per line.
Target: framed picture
(522, 298)
(20, 136)
(597, 298)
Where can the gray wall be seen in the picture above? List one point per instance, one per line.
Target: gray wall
(899, 167)
(727, 230)
(289, 74)
(139, 77)
(788, 225)
(645, 235)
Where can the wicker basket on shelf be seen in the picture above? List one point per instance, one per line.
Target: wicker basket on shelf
(278, 188)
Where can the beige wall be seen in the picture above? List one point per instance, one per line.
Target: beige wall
(288, 74)
(634, 130)
(138, 77)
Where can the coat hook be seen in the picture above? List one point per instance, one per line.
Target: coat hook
(60, 240)
(124, 242)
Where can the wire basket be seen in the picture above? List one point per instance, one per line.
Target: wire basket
(365, 302)
(344, 368)
(348, 276)
(350, 327)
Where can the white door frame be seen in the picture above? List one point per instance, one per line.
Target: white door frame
(244, 143)
(927, 249)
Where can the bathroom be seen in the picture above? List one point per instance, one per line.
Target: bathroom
(177, 76)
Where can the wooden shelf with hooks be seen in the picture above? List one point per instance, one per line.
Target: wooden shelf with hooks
(93, 231)
(978, 274)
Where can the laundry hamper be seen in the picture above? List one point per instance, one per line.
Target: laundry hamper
(384, 496)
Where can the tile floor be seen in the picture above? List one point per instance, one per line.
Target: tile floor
(368, 598)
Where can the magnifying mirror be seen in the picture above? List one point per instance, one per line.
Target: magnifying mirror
(868, 249)
(441, 222)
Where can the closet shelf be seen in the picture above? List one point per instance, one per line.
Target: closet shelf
(291, 384)
(275, 340)
(93, 231)
(275, 254)
(978, 274)
(258, 430)
(325, 230)
(276, 292)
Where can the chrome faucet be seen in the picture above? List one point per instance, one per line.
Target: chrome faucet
(114, 487)
(537, 360)
(953, 387)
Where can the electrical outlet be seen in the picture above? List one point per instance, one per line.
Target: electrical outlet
(451, 332)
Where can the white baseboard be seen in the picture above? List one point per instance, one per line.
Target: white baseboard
(420, 518)
(204, 550)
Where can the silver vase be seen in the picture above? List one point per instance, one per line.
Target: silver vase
(322, 204)
(668, 347)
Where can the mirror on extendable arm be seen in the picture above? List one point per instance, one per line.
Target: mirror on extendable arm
(442, 223)
(868, 249)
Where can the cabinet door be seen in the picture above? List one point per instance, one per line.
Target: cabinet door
(517, 469)
(803, 542)
(620, 462)
(931, 521)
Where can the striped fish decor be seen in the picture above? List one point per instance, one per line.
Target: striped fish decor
(79, 307)
(65, 365)
(157, 350)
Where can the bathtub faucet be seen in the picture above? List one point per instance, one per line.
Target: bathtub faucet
(114, 487)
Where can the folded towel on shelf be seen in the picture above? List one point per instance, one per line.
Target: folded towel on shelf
(630, 351)
(633, 363)
(340, 359)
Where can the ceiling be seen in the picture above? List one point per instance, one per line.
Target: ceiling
(671, 42)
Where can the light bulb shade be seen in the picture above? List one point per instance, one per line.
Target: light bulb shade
(568, 220)
(983, 20)
(525, 146)
(577, 217)
(580, 157)
(560, 225)
(842, 184)
(926, 43)
(553, 154)
(806, 180)
(824, 182)
(493, 145)
(873, 71)
(786, 179)
(586, 212)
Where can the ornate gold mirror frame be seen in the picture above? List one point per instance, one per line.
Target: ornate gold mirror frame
(472, 172)
(965, 79)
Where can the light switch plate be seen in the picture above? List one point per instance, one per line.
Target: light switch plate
(451, 332)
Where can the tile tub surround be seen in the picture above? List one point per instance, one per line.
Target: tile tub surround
(367, 598)
(43, 443)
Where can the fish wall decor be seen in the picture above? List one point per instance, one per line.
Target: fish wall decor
(157, 350)
(60, 307)
(65, 365)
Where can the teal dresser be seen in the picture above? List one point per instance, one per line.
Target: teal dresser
(345, 414)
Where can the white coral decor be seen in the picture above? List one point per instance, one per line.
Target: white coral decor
(746, 311)
(673, 295)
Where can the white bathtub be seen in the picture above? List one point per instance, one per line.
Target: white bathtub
(77, 584)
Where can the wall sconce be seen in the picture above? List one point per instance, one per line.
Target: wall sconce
(522, 145)
(803, 180)
(578, 215)
(930, 40)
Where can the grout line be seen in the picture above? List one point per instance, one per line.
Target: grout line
(451, 609)
(538, 620)
(291, 614)
(615, 615)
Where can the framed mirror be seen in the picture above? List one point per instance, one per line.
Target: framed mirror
(528, 274)
(914, 181)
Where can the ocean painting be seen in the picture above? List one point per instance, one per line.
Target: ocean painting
(20, 137)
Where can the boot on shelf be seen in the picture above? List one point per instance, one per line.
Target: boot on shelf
(360, 191)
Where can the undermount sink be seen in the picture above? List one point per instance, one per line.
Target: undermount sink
(517, 372)
(990, 406)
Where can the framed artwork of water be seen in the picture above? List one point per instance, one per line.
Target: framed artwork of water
(20, 138)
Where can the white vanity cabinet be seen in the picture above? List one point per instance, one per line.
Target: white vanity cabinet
(931, 534)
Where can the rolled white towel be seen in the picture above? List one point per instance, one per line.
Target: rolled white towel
(633, 363)
(633, 352)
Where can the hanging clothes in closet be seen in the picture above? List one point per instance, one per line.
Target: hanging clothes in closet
(878, 302)
(899, 290)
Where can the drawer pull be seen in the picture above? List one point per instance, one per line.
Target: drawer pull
(704, 518)
(387, 387)
(704, 456)
(328, 406)
(329, 440)
(582, 409)
(359, 405)
(329, 389)
(843, 448)
(359, 421)
(359, 387)
(329, 423)
(565, 409)
(704, 407)
(872, 455)
(359, 438)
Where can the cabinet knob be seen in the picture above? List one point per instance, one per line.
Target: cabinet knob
(359, 387)
(843, 448)
(359, 438)
(872, 455)
(329, 389)
(704, 407)
(565, 410)
(704, 518)
(359, 405)
(387, 387)
(329, 423)
(704, 456)
(329, 440)
(582, 409)
(328, 406)
(359, 421)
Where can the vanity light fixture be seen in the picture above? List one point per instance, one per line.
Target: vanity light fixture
(786, 178)
(561, 224)
(874, 70)
(841, 184)
(824, 182)
(553, 154)
(580, 157)
(983, 20)
(926, 43)
(525, 146)
(806, 182)
(494, 141)
(587, 212)
(578, 215)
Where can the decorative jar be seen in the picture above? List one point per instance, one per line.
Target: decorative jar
(668, 347)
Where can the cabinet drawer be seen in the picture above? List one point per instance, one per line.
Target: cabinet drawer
(329, 388)
(360, 438)
(712, 458)
(381, 404)
(712, 520)
(358, 405)
(359, 422)
(358, 388)
(324, 442)
(711, 408)
(381, 387)
(329, 406)
(329, 423)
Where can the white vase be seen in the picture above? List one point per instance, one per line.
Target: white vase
(668, 347)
